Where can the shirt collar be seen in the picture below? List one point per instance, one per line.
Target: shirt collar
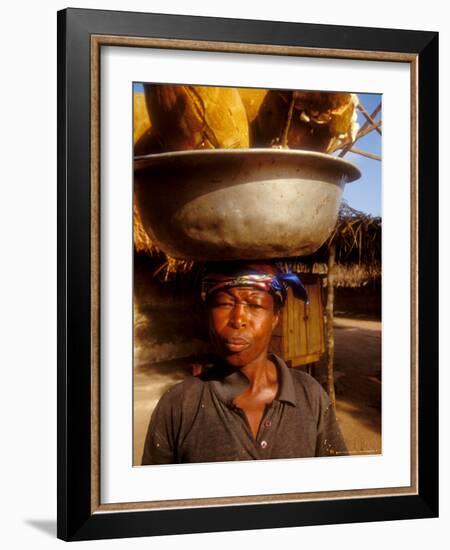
(229, 382)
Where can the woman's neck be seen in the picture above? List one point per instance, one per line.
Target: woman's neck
(261, 373)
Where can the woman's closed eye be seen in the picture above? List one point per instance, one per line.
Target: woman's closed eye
(232, 304)
(223, 304)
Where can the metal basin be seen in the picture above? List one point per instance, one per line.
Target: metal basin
(226, 204)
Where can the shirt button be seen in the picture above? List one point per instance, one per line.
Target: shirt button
(268, 423)
(264, 444)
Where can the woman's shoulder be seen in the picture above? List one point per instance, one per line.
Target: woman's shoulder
(188, 385)
(305, 380)
(189, 391)
(309, 390)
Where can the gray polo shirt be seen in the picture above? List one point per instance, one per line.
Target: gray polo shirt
(196, 420)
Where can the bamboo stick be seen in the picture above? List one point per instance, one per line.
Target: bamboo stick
(363, 132)
(365, 154)
(367, 130)
(369, 118)
(367, 124)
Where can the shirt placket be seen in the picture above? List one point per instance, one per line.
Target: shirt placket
(262, 443)
(264, 439)
(243, 431)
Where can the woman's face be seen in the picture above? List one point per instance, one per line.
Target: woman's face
(241, 321)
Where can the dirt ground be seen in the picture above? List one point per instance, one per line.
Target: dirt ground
(357, 371)
(357, 381)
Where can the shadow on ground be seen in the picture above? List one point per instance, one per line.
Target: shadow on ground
(47, 526)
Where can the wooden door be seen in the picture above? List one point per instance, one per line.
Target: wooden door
(299, 337)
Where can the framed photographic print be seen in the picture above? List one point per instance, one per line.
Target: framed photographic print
(247, 271)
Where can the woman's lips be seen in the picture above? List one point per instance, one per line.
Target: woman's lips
(236, 344)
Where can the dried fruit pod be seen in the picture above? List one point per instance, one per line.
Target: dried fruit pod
(252, 99)
(197, 117)
(141, 119)
(344, 126)
(145, 140)
(320, 120)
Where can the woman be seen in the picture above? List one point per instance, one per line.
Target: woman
(248, 404)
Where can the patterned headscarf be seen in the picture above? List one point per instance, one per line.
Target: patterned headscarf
(264, 276)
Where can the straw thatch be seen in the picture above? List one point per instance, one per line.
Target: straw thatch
(357, 242)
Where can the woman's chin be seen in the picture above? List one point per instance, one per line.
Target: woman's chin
(234, 361)
(237, 358)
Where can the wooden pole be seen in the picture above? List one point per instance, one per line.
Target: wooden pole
(330, 329)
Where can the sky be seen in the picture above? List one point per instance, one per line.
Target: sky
(365, 193)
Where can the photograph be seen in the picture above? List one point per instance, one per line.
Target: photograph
(257, 273)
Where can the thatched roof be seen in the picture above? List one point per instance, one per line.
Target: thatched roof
(357, 241)
(356, 237)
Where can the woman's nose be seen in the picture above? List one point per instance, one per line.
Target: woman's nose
(238, 317)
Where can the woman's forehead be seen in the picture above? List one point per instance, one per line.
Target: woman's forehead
(244, 291)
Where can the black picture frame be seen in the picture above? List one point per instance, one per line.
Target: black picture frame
(77, 517)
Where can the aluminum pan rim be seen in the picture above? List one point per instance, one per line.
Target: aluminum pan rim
(351, 171)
